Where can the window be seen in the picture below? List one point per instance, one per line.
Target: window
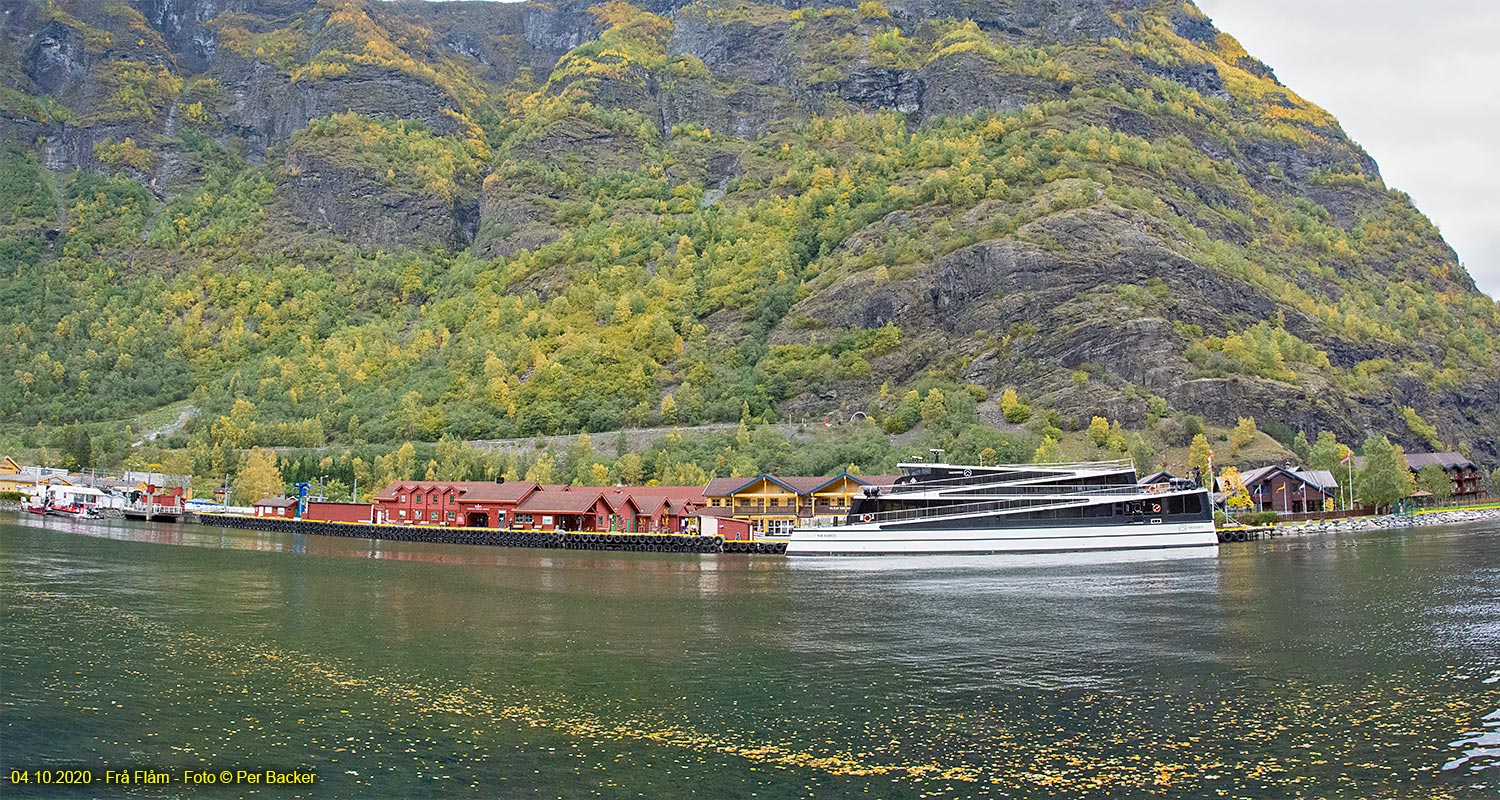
(778, 527)
(546, 520)
(421, 500)
(450, 516)
(401, 514)
(403, 497)
(432, 515)
(775, 501)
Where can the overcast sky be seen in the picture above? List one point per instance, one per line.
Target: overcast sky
(1416, 82)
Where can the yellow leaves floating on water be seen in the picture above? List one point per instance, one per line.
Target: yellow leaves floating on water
(1306, 740)
(555, 715)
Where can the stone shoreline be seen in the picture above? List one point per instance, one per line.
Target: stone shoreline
(1454, 517)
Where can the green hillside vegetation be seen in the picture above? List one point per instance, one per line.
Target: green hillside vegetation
(576, 254)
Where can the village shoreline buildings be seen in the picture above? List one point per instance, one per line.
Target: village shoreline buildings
(734, 508)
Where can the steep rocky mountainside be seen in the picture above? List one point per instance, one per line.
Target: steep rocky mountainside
(366, 220)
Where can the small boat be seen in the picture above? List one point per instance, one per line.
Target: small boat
(72, 511)
(936, 508)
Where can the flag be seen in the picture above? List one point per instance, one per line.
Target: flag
(1348, 454)
(1281, 488)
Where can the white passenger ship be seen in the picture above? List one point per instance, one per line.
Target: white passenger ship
(1014, 508)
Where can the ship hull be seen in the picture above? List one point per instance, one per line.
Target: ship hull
(875, 540)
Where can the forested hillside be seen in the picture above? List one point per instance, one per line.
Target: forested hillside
(349, 221)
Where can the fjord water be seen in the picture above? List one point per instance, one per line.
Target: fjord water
(1340, 666)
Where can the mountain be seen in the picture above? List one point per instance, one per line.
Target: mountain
(338, 221)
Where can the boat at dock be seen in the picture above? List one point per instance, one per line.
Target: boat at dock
(937, 508)
(71, 510)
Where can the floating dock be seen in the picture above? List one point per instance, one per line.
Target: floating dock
(622, 542)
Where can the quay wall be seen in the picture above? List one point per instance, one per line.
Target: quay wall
(628, 542)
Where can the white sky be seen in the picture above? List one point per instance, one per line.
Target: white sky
(1416, 82)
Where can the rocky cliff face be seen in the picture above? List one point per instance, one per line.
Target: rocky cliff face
(1029, 191)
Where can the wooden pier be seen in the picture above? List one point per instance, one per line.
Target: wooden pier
(1247, 534)
(153, 512)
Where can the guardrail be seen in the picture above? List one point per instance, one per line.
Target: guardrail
(1066, 500)
(153, 509)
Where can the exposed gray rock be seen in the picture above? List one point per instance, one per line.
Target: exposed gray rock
(361, 207)
(965, 83)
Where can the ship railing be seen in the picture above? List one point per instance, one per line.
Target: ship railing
(1010, 479)
(1049, 489)
(1064, 500)
(942, 511)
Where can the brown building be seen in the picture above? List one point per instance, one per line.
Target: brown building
(1291, 490)
(1467, 477)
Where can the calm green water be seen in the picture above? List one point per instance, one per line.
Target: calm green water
(1325, 667)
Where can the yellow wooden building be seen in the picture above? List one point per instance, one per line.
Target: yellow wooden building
(774, 505)
(15, 478)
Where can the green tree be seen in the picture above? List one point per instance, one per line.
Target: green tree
(1116, 439)
(541, 470)
(1301, 447)
(1237, 496)
(935, 410)
(1243, 434)
(1047, 452)
(77, 448)
(1325, 452)
(454, 460)
(907, 414)
(1433, 480)
(1421, 427)
(1385, 478)
(259, 477)
(629, 470)
(669, 409)
(1098, 431)
(1200, 455)
(1011, 406)
(1142, 454)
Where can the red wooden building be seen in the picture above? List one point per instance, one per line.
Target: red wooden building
(563, 508)
(322, 511)
(472, 504)
(285, 507)
(532, 506)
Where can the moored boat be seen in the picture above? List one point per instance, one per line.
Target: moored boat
(73, 510)
(937, 508)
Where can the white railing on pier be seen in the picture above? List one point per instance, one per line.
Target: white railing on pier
(153, 509)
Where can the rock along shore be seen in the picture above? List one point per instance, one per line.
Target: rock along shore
(1454, 517)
